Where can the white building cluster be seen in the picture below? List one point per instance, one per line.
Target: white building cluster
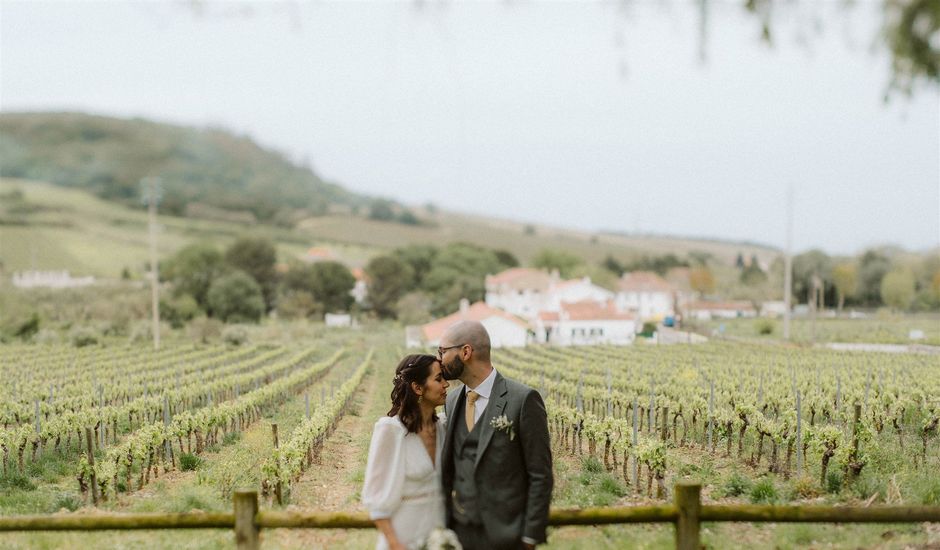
(525, 305)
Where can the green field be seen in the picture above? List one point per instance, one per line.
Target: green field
(877, 328)
(71, 229)
(901, 467)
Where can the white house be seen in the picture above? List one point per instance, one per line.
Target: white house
(520, 291)
(505, 329)
(360, 290)
(526, 292)
(586, 323)
(50, 279)
(575, 291)
(646, 293)
(703, 311)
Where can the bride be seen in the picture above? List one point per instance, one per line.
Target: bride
(402, 488)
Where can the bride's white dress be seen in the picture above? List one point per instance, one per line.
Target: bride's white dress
(402, 483)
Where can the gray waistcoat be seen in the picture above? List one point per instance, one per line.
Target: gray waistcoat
(465, 454)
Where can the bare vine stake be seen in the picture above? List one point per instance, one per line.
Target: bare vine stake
(166, 423)
(711, 407)
(38, 431)
(636, 463)
(799, 434)
(650, 427)
(838, 393)
(609, 391)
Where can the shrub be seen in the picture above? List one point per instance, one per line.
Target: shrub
(765, 327)
(648, 329)
(204, 329)
(833, 481)
(83, 336)
(736, 485)
(592, 465)
(189, 462)
(16, 480)
(805, 487)
(68, 501)
(235, 335)
(236, 298)
(764, 491)
(931, 493)
(46, 336)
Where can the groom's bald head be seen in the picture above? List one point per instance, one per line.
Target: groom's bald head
(469, 332)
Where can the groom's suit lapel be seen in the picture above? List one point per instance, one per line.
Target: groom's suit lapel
(494, 408)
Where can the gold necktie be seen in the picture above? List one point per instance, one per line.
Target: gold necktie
(471, 409)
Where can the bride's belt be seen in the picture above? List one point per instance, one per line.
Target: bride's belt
(419, 496)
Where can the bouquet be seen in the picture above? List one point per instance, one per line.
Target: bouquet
(442, 539)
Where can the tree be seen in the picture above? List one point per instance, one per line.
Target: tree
(381, 210)
(459, 272)
(753, 275)
(872, 268)
(897, 289)
(701, 280)
(550, 259)
(420, 257)
(236, 297)
(845, 278)
(327, 283)
(256, 256)
(389, 279)
(613, 265)
(332, 283)
(414, 308)
(192, 270)
(814, 263)
(506, 258)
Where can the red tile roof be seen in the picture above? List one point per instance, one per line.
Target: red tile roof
(520, 278)
(643, 281)
(476, 312)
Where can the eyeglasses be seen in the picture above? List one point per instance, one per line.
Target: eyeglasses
(441, 351)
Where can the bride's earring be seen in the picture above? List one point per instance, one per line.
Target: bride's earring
(420, 398)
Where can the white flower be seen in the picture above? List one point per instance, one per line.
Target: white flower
(501, 423)
(441, 539)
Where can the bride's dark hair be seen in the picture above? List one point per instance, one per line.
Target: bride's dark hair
(417, 369)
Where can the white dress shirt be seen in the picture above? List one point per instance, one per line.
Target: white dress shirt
(483, 390)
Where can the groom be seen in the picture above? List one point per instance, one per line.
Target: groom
(497, 475)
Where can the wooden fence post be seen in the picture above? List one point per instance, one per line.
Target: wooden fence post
(247, 533)
(277, 487)
(91, 462)
(689, 505)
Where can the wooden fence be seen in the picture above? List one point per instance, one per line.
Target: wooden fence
(686, 513)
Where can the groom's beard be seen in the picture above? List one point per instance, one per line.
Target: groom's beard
(453, 370)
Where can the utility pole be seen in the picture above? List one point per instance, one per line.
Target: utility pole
(788, 266)
(152, 193)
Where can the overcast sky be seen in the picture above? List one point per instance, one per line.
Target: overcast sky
(594, 116)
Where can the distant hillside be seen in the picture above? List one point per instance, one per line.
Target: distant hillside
(210, 172)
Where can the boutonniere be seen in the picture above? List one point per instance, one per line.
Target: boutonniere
(503, 424)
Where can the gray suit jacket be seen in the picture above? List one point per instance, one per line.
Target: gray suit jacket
(513, 476)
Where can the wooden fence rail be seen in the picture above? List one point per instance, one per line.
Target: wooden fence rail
(686, 514)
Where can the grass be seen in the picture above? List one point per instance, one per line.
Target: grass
(880, 328)
(75, 230)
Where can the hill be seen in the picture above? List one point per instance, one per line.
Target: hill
(218, 186)
(206, 170)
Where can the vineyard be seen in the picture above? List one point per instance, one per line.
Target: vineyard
(122, 428)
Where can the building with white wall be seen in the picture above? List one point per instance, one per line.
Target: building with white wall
(647, 294)
(585, 323)
(505, 329)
